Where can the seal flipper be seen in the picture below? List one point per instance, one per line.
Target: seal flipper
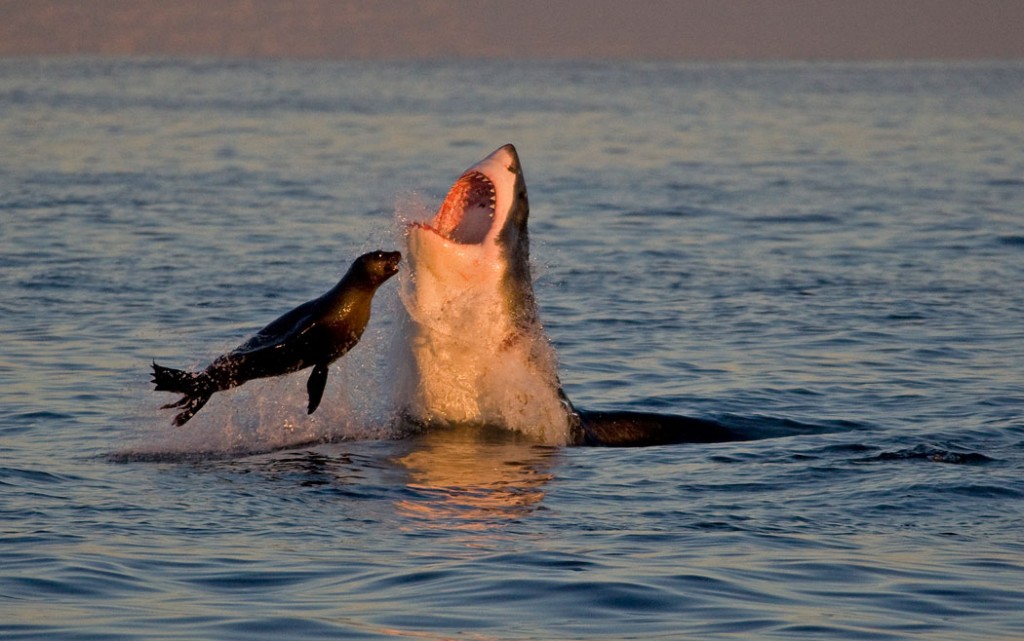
(196, 388)
(191, 405)
(315, 385)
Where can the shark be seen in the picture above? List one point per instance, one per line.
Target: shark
(476, 352)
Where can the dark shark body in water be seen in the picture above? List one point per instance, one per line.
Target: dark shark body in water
(477, 352)
(314, 334)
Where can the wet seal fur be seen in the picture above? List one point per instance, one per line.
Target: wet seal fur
(314, 334)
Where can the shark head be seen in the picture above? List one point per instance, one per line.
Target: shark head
(486, 198)
(478, 353)
(478, 237)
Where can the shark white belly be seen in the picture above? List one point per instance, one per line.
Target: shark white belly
(477, 352)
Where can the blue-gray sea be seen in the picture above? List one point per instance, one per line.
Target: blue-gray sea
(830, 254)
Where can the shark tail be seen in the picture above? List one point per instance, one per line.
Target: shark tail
(195, 387)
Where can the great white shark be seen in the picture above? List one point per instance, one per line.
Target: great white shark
(476, 350)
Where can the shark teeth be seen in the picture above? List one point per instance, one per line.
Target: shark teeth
(468, 211)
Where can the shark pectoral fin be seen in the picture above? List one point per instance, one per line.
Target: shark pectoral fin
(315, 385)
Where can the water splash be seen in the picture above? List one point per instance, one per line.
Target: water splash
(459, 357)
(474, 367)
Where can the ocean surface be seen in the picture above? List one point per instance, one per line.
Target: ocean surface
(829, 254)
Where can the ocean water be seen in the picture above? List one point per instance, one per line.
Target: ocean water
(831, 254)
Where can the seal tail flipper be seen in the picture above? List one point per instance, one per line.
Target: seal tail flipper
(315, 386)
(167, 379)
(195, 388)
(192, 404)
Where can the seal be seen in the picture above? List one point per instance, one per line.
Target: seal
(314, 334)
(477, 352)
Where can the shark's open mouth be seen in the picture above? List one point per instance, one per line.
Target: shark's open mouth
(467, 213)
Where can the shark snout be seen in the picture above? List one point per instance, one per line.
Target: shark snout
(503, 159)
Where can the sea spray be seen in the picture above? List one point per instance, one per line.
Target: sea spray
(459, 357)
(428, 358)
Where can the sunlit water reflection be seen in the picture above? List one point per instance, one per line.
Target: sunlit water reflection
(828, 251)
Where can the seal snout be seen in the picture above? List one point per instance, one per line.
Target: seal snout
(391, 261)
(381, 265)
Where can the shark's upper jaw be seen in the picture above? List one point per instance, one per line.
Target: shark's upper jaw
(478, 205)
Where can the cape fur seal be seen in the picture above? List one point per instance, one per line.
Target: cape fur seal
(314, 334)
